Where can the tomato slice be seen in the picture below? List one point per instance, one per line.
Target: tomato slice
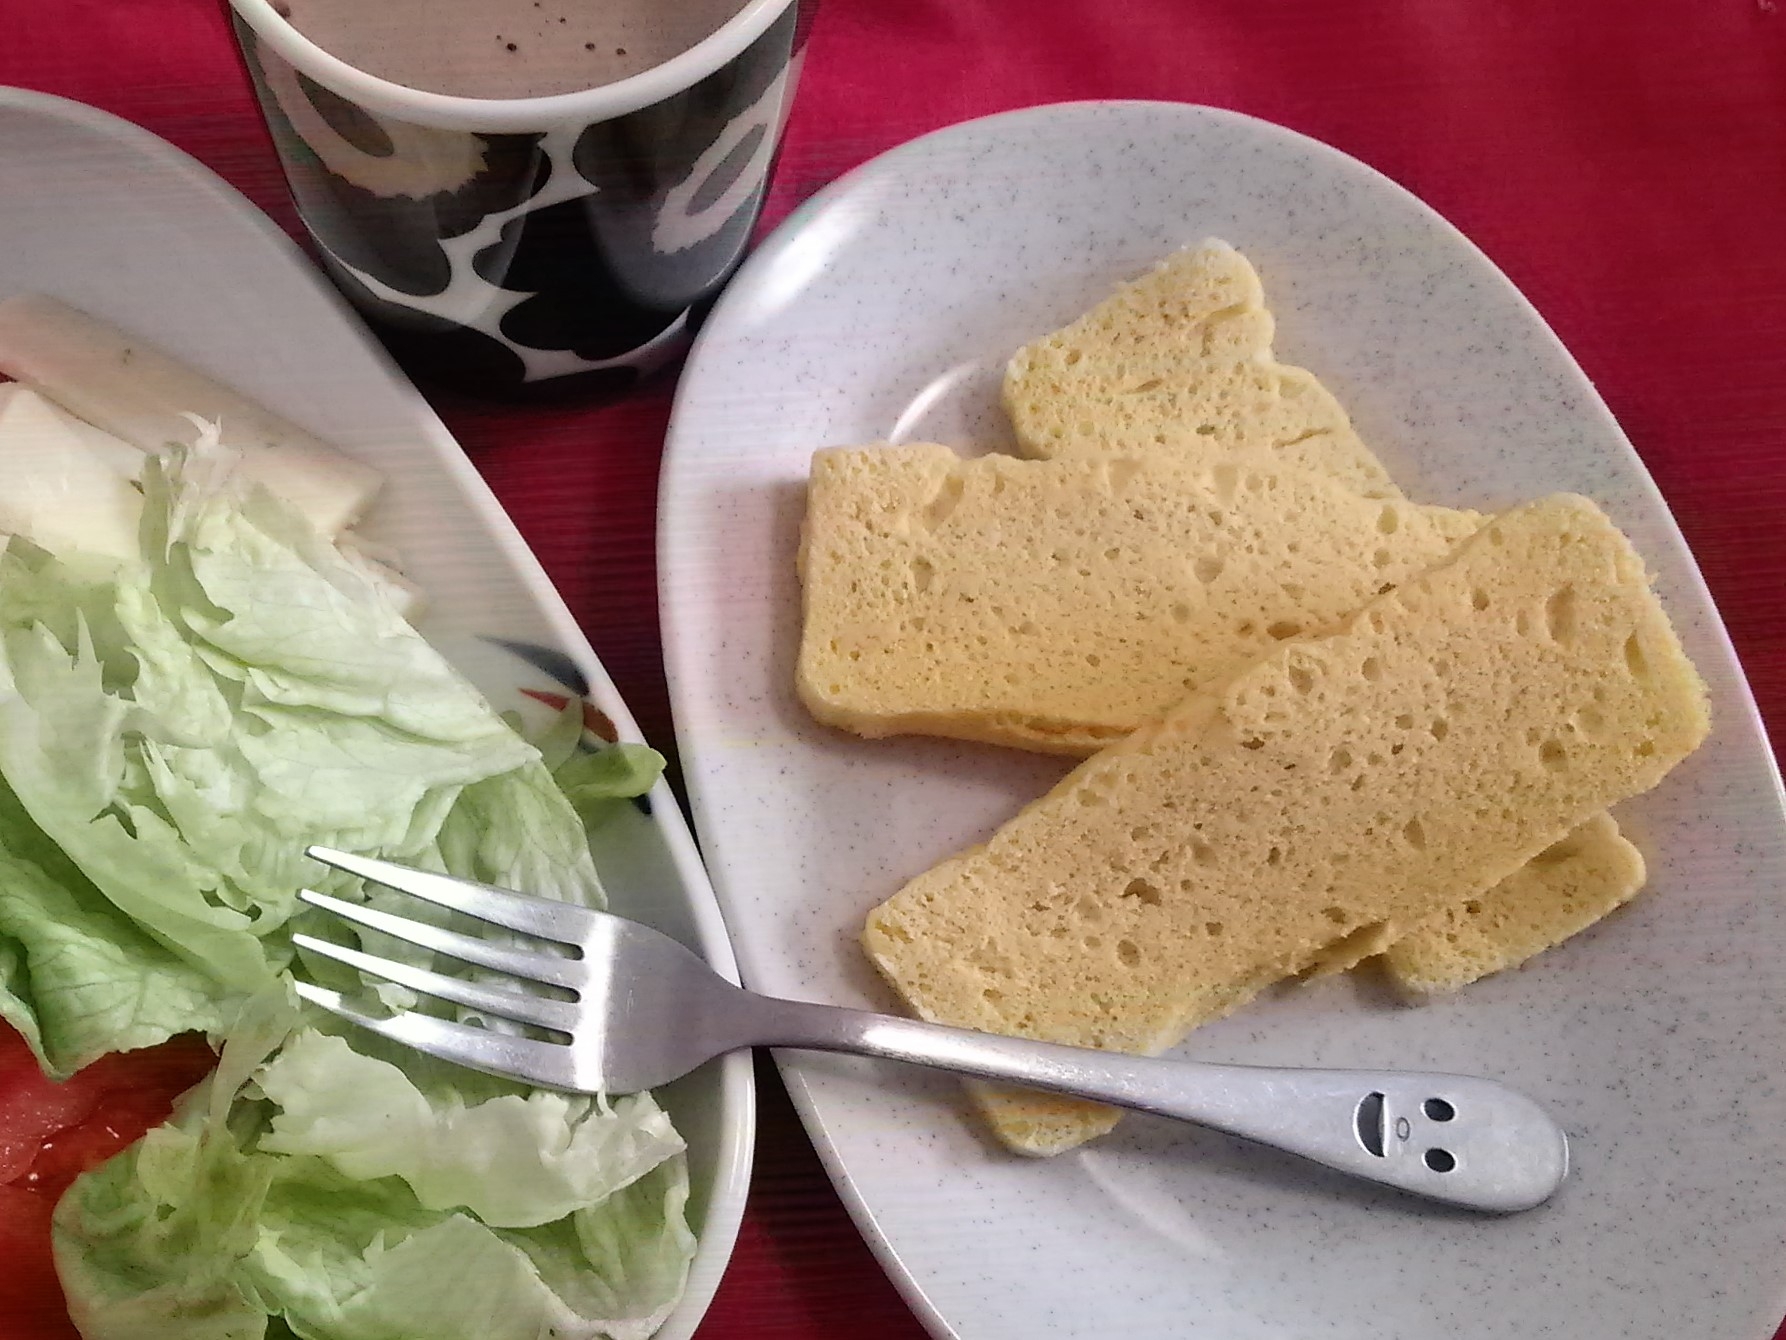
(31, 1305)
(51, 1133)
(31, 1108)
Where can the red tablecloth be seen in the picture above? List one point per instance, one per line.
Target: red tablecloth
(1624, 162)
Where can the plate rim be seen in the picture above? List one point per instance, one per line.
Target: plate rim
(742, 291)
(736, 1081)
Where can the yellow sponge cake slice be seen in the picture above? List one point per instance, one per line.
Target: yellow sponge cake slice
(1455, 728)
(1180, 360)
(1564, 889)
(1059, 605)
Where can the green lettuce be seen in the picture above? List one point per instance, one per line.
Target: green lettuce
(173, 733)
(77, 980)
(595, 781)
(328, 1190)
(516, 1160)
(177, 731)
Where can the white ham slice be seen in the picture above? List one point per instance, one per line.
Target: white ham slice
(65, 485)
(132, 390)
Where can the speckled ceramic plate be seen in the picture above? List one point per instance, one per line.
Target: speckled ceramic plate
(102, 214)
(885, 309)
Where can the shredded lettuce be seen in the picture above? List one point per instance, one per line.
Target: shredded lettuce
(514, 1160)
(180, 729)
(596, 781)
(329, 1189)
(173, 733)
(78, 980)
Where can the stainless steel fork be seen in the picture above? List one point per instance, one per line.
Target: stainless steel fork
(646, 1010)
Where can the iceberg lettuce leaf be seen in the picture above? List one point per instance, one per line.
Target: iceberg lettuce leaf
(219, 1220)
(513, 1160)
(172, 735)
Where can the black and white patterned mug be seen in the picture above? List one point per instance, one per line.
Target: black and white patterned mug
(513, 245)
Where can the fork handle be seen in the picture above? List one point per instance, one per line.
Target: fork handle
(1453, 1138)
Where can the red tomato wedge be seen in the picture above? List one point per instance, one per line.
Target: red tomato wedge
(51, 1133)
(31, 1306)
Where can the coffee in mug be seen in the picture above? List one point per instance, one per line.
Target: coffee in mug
(551, 217)
(506, 48)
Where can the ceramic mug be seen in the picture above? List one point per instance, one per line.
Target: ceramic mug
(513, 245)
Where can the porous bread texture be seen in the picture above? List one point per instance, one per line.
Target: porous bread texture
(1559, 892)
(1564, 889)
(1180, 360)
(1059, 605)
(908, 630)
(1207, 303)
(1454, 729)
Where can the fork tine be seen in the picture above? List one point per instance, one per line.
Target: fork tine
(469, 948)
(487, 999)
(543, 917)
(549, 1064)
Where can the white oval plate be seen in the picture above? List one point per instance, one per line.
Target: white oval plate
(885, 308)
(102, 214)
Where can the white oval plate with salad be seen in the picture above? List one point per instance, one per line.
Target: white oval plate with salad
(884, 310)
(105, 216)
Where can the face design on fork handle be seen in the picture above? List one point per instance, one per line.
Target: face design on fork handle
(1453, 1127)
(1380, 1129)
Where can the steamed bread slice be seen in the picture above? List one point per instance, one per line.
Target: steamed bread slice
(1180, 360)
(1564, 889)
(132, 390)
(1457, 727)
(1198, 309)
(910, 623)
(1059, 605)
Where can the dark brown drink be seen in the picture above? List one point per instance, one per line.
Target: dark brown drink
(506, 48)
